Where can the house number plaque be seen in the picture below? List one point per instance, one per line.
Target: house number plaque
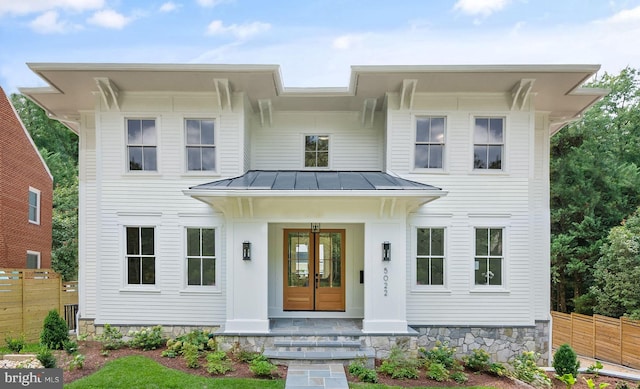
(385, 279)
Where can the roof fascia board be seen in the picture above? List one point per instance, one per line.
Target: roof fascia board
(563, 68)
(315, 193)
(240, 68)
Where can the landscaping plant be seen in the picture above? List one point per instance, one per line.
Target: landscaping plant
(147, 338)
(55, 331)
(525, 369)
(595, 368)
(565, 361)
(602, 385)
(359, 369)
(261, 367)
(70, 346)
(77, 362)
(218, 363)
(398, 366)
(46, 357)
(568, 379)
(191, 354)
(479, 360)
(15, 344)
(111, 338)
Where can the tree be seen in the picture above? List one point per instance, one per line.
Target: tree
(616, 274)
(595, 183)
(59, 148)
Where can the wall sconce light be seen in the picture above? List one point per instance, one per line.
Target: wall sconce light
(246, 250)
(315, 227)
(386, 251)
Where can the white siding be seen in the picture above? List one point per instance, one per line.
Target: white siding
(87, 217)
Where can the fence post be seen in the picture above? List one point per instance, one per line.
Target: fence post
(621, 342)
(22, 286)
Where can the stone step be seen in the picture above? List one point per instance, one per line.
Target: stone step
(336, 356)
(348, 344)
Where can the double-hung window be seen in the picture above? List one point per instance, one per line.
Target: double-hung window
(33, 260)
(140, 256)
(488, 143)
(201, 149)
(142, 144)
(430, 256)
(201, 256)
(316, 151)
(489, 258)
(34, 206)
(430, 140)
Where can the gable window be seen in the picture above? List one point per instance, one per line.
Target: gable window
(430, 256)
(489, 256)
(141, 260)
(33, 260)
(201, 151)
(201, 258)
(142, 144)
(429, 150)
(34, 206)
(488, 143)
(316, 151)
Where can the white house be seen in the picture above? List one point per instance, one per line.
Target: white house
(415, 201)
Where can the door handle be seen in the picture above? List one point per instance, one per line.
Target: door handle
(317, 280)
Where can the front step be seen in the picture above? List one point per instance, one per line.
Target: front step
(315, 349)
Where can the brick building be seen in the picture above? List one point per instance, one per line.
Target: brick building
(26, 195)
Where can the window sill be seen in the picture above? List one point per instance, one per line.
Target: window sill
(35, 223)
(137, 174)
(423, 289)
(489, 172)
(202, 290)
(490, 290)
(142, 290)
(429, 171)
(199, 173)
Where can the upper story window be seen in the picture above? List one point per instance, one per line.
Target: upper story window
(140, 255)
(34, 206)
(201, 149)
(201, 257)
(488, 143)
(429, 151)
(430, 256)
(316, 151)
(489, 256)
(33, 260)
(142, 144)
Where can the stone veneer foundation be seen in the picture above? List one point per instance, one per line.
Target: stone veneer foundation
(502, 343)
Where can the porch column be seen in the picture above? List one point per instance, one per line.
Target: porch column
(247, 282)
(385, 281)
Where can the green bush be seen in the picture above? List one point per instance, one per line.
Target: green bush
(525, 369)
(565, 361)
(191, 354)
(247, 356)
(459, 377)
(359, 369)
(77, 362)
(55, 331)
(498, 369)
(479, 360)
(218, 363)
(147, 338)
(15, 344)
(398, 365)
(568, 379)
(46, 357)
(437, 371)
(110, 338)
(261, 367)
(70, 346)
(441, 353)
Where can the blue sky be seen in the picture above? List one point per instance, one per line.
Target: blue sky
(315, 42)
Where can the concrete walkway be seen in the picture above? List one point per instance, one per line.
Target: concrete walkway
(316, 376)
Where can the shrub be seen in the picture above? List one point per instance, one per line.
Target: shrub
(218, 363)
(441, 353)
(247, 356)
(261, 367)
(565, 361)
(459, 377)
(147, 338)
(479, 360)
(398, 365)
(359, 369)
(77, 362)
(46, 357)
(498, 369)
(111, 338)
(190, 354)
(15, 344)
(200, 339)
(525, 369)
(70, 346)
(55, 331)
(437, 371)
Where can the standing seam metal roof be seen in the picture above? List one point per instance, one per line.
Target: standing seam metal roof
(315, 180)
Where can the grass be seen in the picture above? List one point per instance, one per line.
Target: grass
(29, 348)
(140, 372)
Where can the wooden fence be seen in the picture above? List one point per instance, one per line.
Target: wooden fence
(600, 337)
(27, 296)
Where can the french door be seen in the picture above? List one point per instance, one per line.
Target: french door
(314, 270)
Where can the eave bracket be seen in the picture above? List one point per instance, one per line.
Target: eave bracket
(109, 92)
(520, 93)
(368, 111)
(265, 110)
(223, 90)
(407, 94)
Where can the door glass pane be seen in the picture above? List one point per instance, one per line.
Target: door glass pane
(298, 259)
(330, 259)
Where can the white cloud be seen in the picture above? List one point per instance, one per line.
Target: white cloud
(48, 23)
(626, 16)
(169, 6)
(23, 7)
(240, 31)
(109, 19)
(346, 42)
(212, 3)
(480, 7)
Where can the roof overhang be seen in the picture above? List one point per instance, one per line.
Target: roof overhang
(557, 88)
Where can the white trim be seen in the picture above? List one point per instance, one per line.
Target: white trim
(38, 259)
(38, 205)
(304, 151)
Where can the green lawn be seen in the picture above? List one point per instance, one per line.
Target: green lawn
(29, 348)
(141, 372)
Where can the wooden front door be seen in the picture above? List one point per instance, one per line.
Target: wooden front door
(314, 270)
